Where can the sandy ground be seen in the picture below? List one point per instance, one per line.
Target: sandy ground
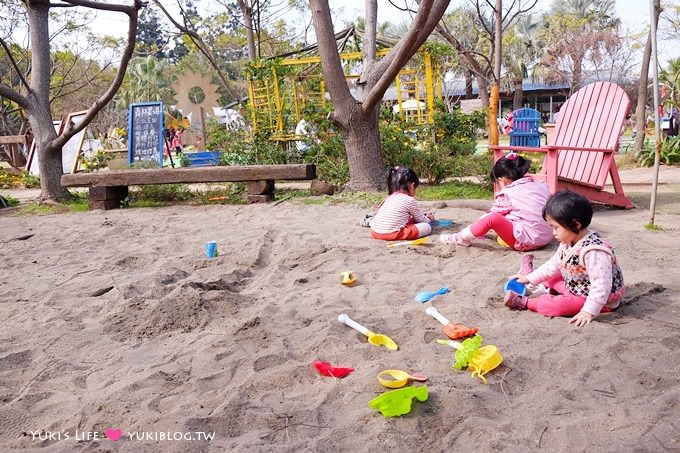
(116, 326)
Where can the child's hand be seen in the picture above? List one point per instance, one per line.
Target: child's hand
(520, 278)
(430, 215)
(581, 319)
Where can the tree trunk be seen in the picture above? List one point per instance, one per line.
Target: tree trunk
(49, 160)
(495, 86)
(364, 151)
(643, 81)
(39, 104)
(492, 120)
(247, 12)
(518, 96)
(483, 85)
(468, 84)
(357, 119)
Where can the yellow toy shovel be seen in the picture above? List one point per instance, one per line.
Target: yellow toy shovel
(418, 241)
(375, 339)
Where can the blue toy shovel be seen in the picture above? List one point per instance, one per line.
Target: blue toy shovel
(426, 296)
(443, 223)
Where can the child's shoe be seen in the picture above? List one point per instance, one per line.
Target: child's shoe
(455, 238)
(515, 301)
(527, 266)
(366, 221)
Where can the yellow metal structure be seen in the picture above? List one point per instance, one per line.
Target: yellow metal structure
(278, 103)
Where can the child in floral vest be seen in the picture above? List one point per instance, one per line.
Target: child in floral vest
(583, 277)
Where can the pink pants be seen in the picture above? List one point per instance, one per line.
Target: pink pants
(562, 304)
(498, 223)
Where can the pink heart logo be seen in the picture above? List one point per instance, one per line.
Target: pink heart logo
(114, 434)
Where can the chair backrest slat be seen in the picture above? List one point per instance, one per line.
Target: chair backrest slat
(593, 117)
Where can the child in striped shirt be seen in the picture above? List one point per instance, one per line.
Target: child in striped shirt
(400, 216)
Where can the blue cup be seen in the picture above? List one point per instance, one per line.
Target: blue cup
(514, 285)
(211, 249)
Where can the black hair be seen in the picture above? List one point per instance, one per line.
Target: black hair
(398, 178)
(512, 166)
(569, 209)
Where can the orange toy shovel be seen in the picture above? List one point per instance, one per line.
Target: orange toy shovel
(453, 331)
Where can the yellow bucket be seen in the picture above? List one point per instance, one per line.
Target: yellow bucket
(485, 359)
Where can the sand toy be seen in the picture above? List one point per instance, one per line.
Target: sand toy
(453, 331)
(426, 296)
(398, 402)
(348, 278)
(418, 241)
(395, 379)
(515, 286)
(326, 369)
(375, 339)
(477, 358)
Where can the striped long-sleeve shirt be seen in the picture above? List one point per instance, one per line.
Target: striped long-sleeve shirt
(397, 211)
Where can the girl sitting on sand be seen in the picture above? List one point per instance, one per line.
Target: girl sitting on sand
(583, 276)
(399, 216)
(516, 212)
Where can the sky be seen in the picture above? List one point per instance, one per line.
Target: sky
(633, 13)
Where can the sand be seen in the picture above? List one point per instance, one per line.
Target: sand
(115, 322)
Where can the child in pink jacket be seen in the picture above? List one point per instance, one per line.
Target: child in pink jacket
(516, 214)
(583, 276)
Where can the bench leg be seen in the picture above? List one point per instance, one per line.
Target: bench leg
(106, 197)
(260, 191)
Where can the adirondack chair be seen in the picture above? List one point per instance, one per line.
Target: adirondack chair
(580, 152)
(525, 128)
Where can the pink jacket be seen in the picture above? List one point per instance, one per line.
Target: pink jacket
(521, 202)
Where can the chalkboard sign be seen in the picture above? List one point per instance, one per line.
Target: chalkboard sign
(145, 133)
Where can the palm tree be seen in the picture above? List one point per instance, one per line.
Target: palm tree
(519, 54)
(574, 33)
(147, 79)
(670, 79)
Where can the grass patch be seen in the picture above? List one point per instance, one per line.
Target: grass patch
(454, 190)
(11, 201)
(78, 203)
(653, 227)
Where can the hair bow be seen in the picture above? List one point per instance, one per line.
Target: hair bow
(511, 155)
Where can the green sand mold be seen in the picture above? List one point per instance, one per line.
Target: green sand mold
(398, 402)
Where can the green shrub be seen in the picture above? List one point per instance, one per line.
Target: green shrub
(95, 161)
(162, 193)
(184, 161)
(10, 179)
(669, 152)
(29, 181)
(330, 158)
(11, 201)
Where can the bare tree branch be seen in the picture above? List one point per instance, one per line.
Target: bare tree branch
(198, 42)
(428, 15)
(15, 65)
(132, 12)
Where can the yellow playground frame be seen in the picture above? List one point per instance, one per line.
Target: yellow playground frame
(277, 103)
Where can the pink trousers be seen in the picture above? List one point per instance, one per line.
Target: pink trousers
(562, 304)
(498, 223)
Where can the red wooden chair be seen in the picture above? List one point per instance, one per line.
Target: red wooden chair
(580, 152)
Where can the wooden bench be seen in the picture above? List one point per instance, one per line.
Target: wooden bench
(108, 188)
